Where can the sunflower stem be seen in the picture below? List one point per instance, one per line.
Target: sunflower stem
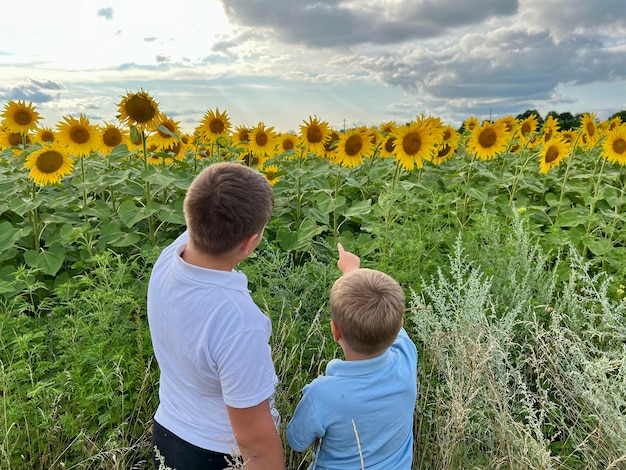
(517, 177)
(34, 214)
(82, 179)
(148, 191)
(567, 169)
(335, 214)
(467, 198)
(617, 209)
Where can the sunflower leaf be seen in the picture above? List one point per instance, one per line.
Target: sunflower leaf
(48, 261)
(8, 235)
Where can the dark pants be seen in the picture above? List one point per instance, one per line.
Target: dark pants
(179, 454)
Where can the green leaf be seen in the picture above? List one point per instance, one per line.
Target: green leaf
(358, 209)
(130, 213)
(8, 235)
(571, 218)
(597, 247)
(327, 203)
(48, 261)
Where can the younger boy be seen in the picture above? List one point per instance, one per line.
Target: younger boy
(210, 339)
(361, 411)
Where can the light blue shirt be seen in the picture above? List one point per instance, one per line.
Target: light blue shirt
(360, 409)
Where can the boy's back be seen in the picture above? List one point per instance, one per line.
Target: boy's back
(361, 412)
(362, 409)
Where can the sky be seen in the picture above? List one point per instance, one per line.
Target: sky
(347, 62)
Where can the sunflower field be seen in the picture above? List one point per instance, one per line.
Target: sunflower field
(507, 236)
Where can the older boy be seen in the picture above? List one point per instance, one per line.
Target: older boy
(361, 411)
(210, 339)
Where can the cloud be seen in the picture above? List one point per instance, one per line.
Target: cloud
(106, 13)
(160, 58)
(341, 23)
(36, 91)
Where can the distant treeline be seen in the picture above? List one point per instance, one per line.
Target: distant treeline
(566, 120)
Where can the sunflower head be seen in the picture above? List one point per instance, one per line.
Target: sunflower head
(589, 129)
(271, 173)
(45, 135)
(167, 130)
(388, 127)
(20, 117)
(353, 146)
(262, 140)
(489, 139)
(528, 127)
(553, 153)
(77, 135)
(138, 109)
(49, 165)
(470, 123)
(313, 134)
(111, 136)
(10, 139)
(414, 143)
(214, 123)
(614, 147)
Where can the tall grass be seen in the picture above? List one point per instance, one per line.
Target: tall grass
(519, 368)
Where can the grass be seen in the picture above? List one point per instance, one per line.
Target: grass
(519, 368)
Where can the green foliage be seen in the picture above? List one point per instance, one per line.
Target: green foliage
(515, 280)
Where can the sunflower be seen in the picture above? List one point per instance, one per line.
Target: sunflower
(262, 141)
(157, 155)
(614, 147)
(330, 147)
(528, 128)
(19, 117)
(176, 150)
(470, 123)
(110, 137)
(510, 122)
(614, 122)
(589, 130)
(414, 143)
(48, 164)
(313, 135)
(353, 145)
(45, 135)
(444, 152)
(167, 130)
(10, 139)
(213, 124)
(77, 135)
(553, 152)
(287, 143)
(375, 136)
(138, 109)
(241, 136)
(387, 147)
(489, 140)
(271, 173)
(550, 129)
(388, 127)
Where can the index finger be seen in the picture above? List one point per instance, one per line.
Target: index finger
(340, 248)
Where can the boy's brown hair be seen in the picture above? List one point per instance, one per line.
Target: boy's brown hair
(368, 307)
(225, 204)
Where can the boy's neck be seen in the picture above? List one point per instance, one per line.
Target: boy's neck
(225, 262)
(350, 355)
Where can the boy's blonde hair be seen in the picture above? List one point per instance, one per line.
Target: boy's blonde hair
(368, 307)
(225, 204)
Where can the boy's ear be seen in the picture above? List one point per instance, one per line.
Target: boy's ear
(250, 243)
(335, 330)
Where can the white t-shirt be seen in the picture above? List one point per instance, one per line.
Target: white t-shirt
(212, 345)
